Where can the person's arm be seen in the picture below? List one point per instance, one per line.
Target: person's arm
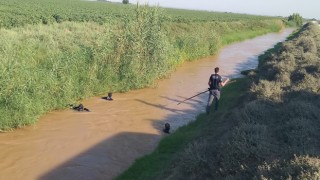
(209, 83)
(224, 82)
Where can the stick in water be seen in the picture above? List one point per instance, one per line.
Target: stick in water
(192, 97)
(223, 83)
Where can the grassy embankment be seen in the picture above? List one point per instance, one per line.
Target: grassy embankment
(51, 64)
(269, 131)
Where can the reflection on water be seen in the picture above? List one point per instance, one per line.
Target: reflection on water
(102, 143)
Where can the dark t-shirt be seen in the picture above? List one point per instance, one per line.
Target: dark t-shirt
(215, 80)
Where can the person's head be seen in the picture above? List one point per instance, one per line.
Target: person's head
(216, 70)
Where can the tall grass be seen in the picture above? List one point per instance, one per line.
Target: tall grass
(47, 67)
(141, 49)
(193, 40)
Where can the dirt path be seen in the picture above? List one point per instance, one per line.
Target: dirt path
(103, 143)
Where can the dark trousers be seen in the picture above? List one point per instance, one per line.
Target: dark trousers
(213, 95)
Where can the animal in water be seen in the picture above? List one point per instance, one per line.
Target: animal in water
(109, 97)
(166, 128)
(80, 108)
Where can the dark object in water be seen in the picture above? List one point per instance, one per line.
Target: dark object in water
(166, 128)
(80, 108)
(109, 97)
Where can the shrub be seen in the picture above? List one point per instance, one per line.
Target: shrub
(296, 18)
(195, 161)
(268, 90)
(125, 1)
(297, 167)
(308, 44)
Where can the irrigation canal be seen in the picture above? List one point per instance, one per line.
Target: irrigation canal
(104, 142)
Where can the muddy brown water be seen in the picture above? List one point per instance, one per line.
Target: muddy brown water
(103, 143)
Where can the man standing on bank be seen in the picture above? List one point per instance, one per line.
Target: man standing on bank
(215, 83)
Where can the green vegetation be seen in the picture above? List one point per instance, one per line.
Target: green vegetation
(270, 131)
(48, 66)
(296, 19)
(125, 1)
(180, 15)
(17, 13)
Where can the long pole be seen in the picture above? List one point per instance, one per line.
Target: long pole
(223, 83)
(192, 97)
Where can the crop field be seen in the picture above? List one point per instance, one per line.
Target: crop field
(16, 13)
